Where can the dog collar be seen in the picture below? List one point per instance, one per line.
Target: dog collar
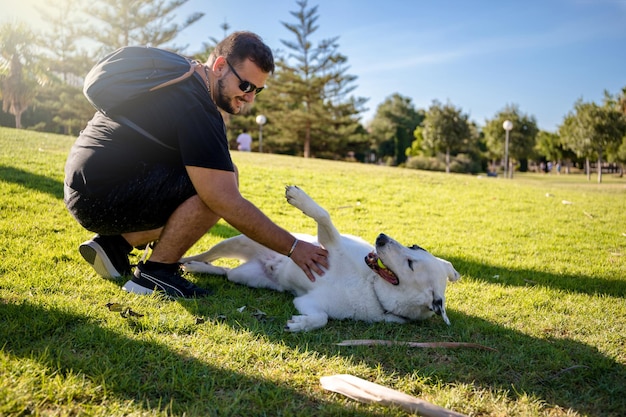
(382, 306)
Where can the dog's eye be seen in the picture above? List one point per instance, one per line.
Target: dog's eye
(411, 264)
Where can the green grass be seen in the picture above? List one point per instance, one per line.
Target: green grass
(543, 282)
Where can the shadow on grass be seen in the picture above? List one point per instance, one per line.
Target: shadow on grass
(555, 370)
(33, 181)
(525, 277)
(142, 372)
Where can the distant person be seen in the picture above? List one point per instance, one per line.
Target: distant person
(132, 191)
(244, 141)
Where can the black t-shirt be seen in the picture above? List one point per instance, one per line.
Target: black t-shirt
(182, 116)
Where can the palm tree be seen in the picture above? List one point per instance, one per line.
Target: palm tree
(18, 80)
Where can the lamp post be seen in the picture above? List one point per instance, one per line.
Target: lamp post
(507, 125)
(260, 120)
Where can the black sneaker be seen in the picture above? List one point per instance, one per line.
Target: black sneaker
(166, 280)
(107, 255)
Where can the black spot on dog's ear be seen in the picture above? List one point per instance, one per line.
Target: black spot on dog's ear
(416, 247)
(437, 306)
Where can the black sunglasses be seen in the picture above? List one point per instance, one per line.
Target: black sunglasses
(245, 86)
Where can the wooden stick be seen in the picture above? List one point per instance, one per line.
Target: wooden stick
(369, 392)
(371, 342)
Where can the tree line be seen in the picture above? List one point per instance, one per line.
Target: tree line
(309, 104)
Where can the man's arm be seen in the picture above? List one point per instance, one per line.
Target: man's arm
(218, 190)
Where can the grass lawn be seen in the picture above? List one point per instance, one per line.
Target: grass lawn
(543, 264)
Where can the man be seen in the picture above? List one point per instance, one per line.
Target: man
(132, 191)
(244, 141)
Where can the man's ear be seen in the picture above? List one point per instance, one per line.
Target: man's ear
(219, 66)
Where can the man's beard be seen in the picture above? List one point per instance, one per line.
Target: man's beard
(226, 103)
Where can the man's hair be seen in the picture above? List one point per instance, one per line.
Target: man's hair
(239, 46)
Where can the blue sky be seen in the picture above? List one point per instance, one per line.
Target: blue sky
(477, 55)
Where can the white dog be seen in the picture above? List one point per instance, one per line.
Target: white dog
(391, 282)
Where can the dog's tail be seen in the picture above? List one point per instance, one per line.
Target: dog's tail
(239, 247)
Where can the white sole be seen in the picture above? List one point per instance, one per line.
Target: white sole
(97, 258)
(135, 288)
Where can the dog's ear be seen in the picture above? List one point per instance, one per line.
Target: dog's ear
(438, 307)
(452, 273)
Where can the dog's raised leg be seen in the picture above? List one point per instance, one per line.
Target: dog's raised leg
(327, 233)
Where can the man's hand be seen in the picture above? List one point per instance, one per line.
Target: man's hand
(218, 191)
(310, 258)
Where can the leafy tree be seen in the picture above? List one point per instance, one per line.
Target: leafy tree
(313, 107)
(593, 130)
(136, 22)
(618, 103)
(417, 146)
(445, 129)
(20, 76)
(522, 137)
(620, 100)
(549, 145)
(620, 156)
(392, 128)
(69, 108)
(574, 137)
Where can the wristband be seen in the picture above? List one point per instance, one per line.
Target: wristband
(293, 247)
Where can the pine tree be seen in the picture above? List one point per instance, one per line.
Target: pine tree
(136, 22)
(316, 110)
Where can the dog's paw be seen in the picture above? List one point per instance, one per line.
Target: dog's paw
(296, 324)
(204, 268)
(295, 195)
(306, 322)
(301, 200)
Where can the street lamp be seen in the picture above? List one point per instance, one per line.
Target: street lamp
(260, 120)
(507, 125)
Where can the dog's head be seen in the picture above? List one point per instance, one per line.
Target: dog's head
(412, 281)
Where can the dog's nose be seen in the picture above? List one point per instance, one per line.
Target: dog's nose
(382, 239)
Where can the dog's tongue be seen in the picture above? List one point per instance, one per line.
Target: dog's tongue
(373, 261)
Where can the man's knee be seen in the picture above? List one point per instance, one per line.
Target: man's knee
(200, 213)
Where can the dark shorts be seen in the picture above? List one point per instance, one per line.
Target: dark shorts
(144, 203)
